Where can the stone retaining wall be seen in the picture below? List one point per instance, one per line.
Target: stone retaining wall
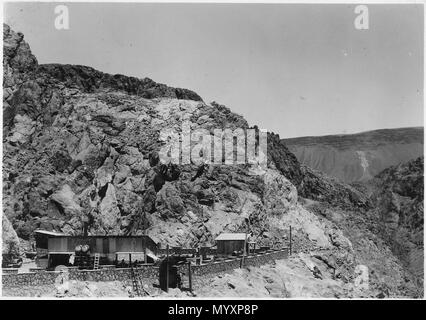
(116, 274)
(231, 264)
(265, 258)
(163, 251)
(29, 279)
(148, 274)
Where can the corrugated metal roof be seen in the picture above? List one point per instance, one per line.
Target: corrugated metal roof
(232, 236)
(50, 233)
(60, 234)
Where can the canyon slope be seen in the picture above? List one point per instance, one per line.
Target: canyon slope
(399, 208)
(358, 157)
(81, 146)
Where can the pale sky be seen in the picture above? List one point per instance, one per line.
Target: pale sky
(293, 69)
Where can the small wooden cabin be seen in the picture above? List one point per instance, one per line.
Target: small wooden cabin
(228, 243)
(55, 248)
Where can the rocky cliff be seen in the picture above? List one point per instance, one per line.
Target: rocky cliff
(398, 195)
(80, 143)
(81, 146)
(358, 157)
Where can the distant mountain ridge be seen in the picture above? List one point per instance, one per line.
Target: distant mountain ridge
(358, 157)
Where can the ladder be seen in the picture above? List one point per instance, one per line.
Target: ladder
(135, 283)
(96, 261)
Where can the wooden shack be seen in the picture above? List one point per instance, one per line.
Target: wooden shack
(228, 243)
(56, 248)
(42, 249)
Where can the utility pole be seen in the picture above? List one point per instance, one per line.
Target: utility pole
(189, 276)
(167, 268)
(290, 242)
(245, 241)
(144, 237)
(244, 253)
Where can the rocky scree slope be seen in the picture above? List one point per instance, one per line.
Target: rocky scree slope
(80, 144)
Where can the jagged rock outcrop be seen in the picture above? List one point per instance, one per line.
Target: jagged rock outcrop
(387, 235)
(318, 186)
(18, 67)
(82, 143)
(399, 204)
(17, 57)
(89, 80)
(283, 160)
(10, 240)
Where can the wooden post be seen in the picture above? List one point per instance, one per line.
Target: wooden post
(245, 239)
(189, 276)
(167, 268)
(290, 242)
(245, 250)
(245, 245)
(130, 260)
(144, 251)
(144, 239)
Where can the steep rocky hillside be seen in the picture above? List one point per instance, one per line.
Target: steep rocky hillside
(81, 146)
(387, 235)
(399, 198)
(358, 157)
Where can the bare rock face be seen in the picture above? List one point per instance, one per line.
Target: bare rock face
(169, 203)
(283, 160)
(398, 192)
(90, 80)
(65, 198)
(18, 67)
(280, 195)
(79, 142)
(10, 240)
(108, 218)
(316, 185)
(17, 57)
